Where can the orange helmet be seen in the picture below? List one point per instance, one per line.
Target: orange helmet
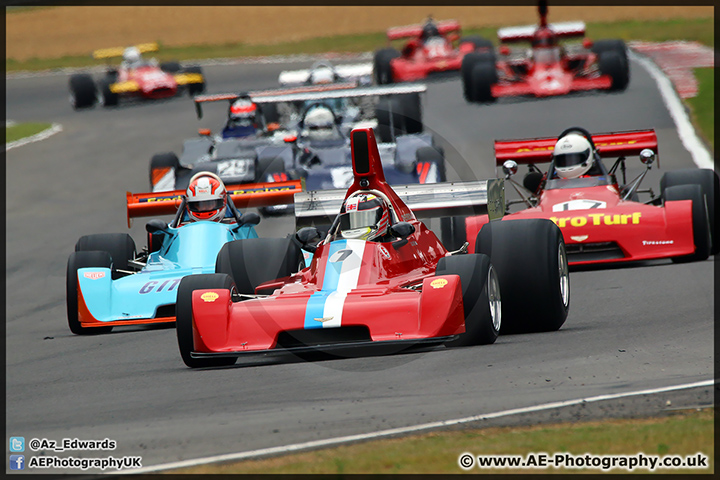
(206, 197)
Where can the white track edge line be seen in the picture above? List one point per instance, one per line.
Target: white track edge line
(688, 136)
(401, 430)
(48, 132)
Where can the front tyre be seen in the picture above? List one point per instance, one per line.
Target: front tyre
(184, 317)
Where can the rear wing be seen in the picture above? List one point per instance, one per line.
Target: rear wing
(539, 150)
(412, 31)
(200, 99)
(525, 33)
(118, 51)
(425, 200)
(333, 91)
(243, 196)
(361, 73)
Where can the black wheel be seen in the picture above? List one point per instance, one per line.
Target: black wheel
(478, 42)
(83, 93)
(483, 76)
(700, 221)
(466, 68)
(170, 67)
(708, 181)
(109, 98)
(270, 112)
(453, 232)
(184, 317)
(481, 297)
(76, 261)
(120, 246)
(614, 46)
(430, 155)
(253, 261)
(195, 88)
(382, 69)
(531, 264)
(389, 111)
(611, 63)
(412, 111)
(160, 164)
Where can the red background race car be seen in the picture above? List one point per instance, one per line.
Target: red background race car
(603, 221)
(137, 79)
(548, 68)
(403, 290)
(430, 50)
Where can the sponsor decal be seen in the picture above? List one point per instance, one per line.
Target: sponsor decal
(543, 149)
(94, 275)
(598, 219)
(384, 252)
(582, 204)
(209, 296)
(658, 242)
(150, 286)
(323, 319)
(439, 283)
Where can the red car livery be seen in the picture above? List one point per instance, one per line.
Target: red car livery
(405, 289)
(430, 50)
(604, 222)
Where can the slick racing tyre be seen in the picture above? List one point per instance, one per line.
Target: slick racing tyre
(614, 46)
(611, 63)
(120, 246)
(195, 88)
(453, 232)
(708, 181)
(382, 68)
(469, 61)
(163, 171)
(411, 110)
(83, 93)
(531, 263)
(390, 119)
(483, 76)
(253, 261)
(700, 221)
(76, 261)
(184, 317)
(481, 297)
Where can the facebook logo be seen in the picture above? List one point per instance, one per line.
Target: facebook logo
(17, 462)
(17, 444)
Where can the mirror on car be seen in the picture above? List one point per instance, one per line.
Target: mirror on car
(402, 230)
(308, 237)
(156, 226)
(647, 156)
(510, 167)
(250, 218)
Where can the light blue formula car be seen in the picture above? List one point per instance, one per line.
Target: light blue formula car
(110, 284)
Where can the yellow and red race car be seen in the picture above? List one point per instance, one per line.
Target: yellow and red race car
(134, 78)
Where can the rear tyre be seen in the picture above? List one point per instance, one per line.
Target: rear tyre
(184, 317)
(481, 297)
(120, 246)
(83, 93)
(611, 63)
(700, 222)
(469, 61)
(253, 261)
(531, 264)
(389, 111)
(453, 232)
(195, 88)
(614, 46)
(76, 261)
(708, 181)
(160, 165)
(431, 156)
(484, 75)
(411, 109)
(170, 67)
(382, 68)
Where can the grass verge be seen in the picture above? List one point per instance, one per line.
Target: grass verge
(701, 30)
(702, 107)
(682, 433)
(22, 130)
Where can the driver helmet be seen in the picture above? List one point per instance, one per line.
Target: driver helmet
(319, 123)
(206, 197)
(243, 112)
(131, 55)
(573, 156)
(365, 217)
(322, 75)
(429, 30)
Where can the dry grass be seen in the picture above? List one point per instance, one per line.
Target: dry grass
(60, 31)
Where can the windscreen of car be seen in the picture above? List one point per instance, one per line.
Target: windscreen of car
(558, 183)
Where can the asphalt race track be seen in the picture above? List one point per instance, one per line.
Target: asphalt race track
(629, 328)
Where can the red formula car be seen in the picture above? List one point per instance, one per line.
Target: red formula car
(378, 276)
(601, 220)
(547, 68)
(429, 50)
(135, 78)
